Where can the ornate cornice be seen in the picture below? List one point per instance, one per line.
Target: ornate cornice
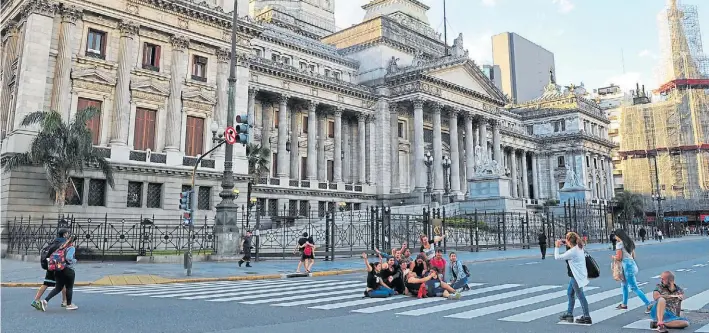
(294, 191)
(41, 7)
(554, 138)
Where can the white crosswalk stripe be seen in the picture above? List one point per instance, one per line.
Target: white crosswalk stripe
(510, 302)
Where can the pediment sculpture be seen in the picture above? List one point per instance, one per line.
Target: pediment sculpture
(419, 58)
(458, 51)
(572, 180)
(484, 165)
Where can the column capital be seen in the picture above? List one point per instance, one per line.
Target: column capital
(361, 117)
(71, 14)
(371, 118)
(282, 98)
(436, 107)
(128, 28)
(493, 122)
(312, 105)
(394, 108)
(41, 7)
(338, 111)
(253, 91)
(418, 103)
(179, 42)
(453, 112)
(223, 55)
(12, 29)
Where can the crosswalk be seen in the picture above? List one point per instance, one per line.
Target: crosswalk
(507, 302)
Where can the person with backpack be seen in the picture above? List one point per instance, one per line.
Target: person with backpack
(306, 246)
(577, 271)
(62, 262)
(49, 276)
(457, 274)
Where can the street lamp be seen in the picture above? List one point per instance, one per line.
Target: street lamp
(214, 127)
(446, 173)
(342, 206)
(428, 161)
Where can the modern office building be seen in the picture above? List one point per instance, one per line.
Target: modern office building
(524, 66)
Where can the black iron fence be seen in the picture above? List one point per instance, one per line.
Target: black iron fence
(338, 231)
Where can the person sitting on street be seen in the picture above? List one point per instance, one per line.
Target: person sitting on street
(435, 286)
(666, 309)
(393, 277)
(419, 266)
(376, 288)
(438, 261)
(455, 273)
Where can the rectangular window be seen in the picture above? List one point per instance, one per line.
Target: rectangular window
(588, 162)
(194, 136)
(204, 198)
(259, 53)
(303, 65)
(303, 168)
(275, 57)
(135, 194)
(400, 129)
(199, 68)
(93, 124)
(530, 129)
(330, 170)
(151, 57)
(286, 61)
(96, 44)
(154, 195)
(274, 164)
(75, 192)
(275, 118)
(330, 129)
(560, 162)
(305, 124)
(144, 135)
(327, 72)
(336, 75)
(97, 192)
(312, 68)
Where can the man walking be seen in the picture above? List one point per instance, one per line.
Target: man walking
(542, 243)
(246, 248)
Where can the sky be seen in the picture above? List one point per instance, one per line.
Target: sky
(596, 42)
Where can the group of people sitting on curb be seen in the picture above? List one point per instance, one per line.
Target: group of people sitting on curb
(426, 275)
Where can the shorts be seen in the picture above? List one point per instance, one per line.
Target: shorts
(304, 257)
(49, 279)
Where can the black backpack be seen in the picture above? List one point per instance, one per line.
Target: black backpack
(466, 271)
(46, 251)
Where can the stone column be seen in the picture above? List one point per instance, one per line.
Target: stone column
(525, 177)
(419, 166)
(482, 129)
(10, 55)
(455, 154)
(294, 149)
(370, 152)
(513, 173)
(594, 183)
(362, 146)
(220, 109)
(251, 104)
(337, 152)
(469, 146)
(312, 140)
(437, 150)
(283, 167)
(266, 122)
(496, 142)
(322, 136)
(178, 64)
(553, 186)
(120, 120)
(394, 133)
(535, 176)
(61, 88)
(611, 181)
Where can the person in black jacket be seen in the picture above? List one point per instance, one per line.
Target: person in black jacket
(613, 240)
(49, 278)
(542, 243)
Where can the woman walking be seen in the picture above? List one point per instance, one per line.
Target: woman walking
(62, 262)
(576, 269)
(625, 254)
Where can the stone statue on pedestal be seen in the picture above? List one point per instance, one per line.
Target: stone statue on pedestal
(393, 66)
(572, 180)
(484, 165)
(457, 50)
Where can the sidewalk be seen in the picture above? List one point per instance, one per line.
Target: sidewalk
(28, 274)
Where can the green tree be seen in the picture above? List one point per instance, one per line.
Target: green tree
(259, 159)
(628, 206)
(61, 149)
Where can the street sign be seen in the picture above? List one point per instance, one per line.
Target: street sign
(230, 135)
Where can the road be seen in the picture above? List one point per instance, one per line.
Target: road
(523, 295)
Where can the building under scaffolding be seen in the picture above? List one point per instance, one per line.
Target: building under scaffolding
(667, 141)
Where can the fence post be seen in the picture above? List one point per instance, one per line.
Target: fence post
(477, 231)
(443, 230)
(372, 217)
(504, 230)
(426, 215)
(327, 234)
(377, 245)
(575, 217)
(331, 237)
(388, 224)
(526, 234)
(408, 232)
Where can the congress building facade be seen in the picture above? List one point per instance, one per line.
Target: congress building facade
(357, 115)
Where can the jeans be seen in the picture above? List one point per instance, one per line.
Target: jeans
(629, 270)
(575, 290)
(381, 292)
(460, 283)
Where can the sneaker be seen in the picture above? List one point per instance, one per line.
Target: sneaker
(648, 309)
(584, 320)
(653, 325)
(43, 305)
(37, 305)
(249, 265)
(466, 287)
(457, 295)
(63, 304)
(72, 307)
(661, 328)
(241, 262)
(567, 317)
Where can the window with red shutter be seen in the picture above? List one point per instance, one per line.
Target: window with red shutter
(194, 138)
(151, 57)
(144, 132)
(94, 124)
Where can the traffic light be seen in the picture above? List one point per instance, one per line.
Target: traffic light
(186, 200)
(242, 129)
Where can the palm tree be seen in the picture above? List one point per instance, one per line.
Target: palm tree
(61, 148)
(259, 159)
(628, 205)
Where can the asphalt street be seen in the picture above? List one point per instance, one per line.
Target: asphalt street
(523, 295)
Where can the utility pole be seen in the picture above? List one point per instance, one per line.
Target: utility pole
(445, 28)
(659, 214)
(227, 210)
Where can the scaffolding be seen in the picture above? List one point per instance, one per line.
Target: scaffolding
(674, 131)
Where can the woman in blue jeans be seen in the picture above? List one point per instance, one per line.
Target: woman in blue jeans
(575, 258)
(376, 287)
(625, 253)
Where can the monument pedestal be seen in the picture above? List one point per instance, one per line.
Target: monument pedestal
(486, 187)
(571, 194)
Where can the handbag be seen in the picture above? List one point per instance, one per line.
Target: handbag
(617, 270)
(592, 266)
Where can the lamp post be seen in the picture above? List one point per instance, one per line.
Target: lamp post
(446, 173)
(226, 210)
(657, 196)
(428, 161)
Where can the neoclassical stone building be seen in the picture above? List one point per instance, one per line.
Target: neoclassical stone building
(350, 116)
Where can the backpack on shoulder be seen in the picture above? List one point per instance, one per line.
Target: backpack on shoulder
(57, 260)
(592, 266)
(466, 271)
(308, 251)
(46, 251)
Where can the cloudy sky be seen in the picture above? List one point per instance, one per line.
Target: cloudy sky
(596, 42)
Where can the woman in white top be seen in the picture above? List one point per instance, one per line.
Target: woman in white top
(576, 268)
